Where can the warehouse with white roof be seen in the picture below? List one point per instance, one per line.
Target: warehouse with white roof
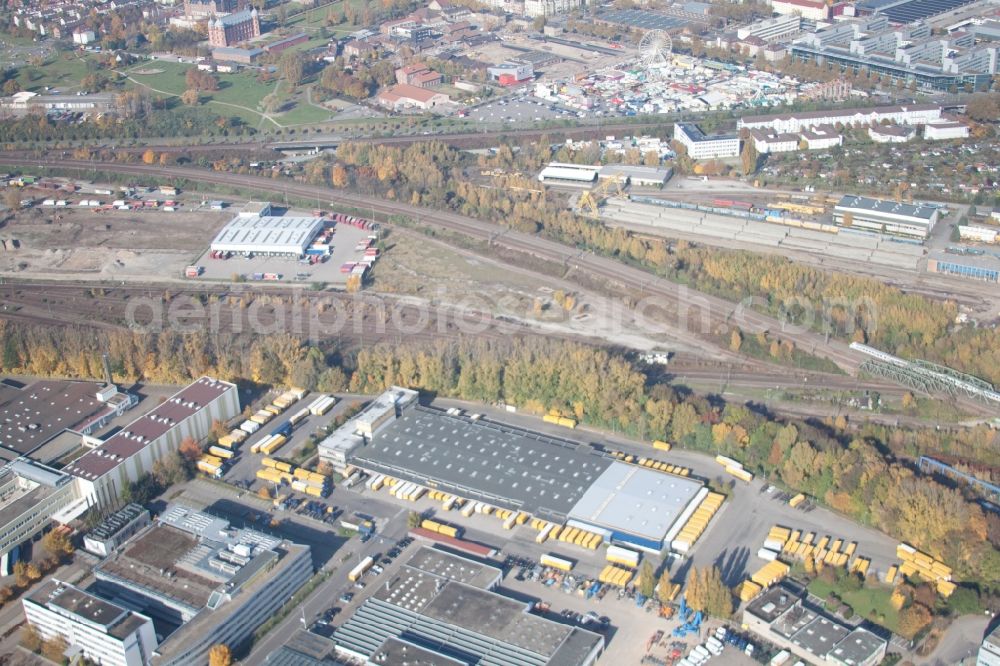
(267, 235)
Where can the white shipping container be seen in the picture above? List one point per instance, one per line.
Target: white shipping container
(773, 544)
(619, 554)
(49, 202)
(250, 427)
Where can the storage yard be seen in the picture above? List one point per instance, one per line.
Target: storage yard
(833, 244)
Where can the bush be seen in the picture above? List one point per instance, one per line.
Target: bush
(965, 601)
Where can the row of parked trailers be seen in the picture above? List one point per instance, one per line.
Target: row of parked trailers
(697, 522)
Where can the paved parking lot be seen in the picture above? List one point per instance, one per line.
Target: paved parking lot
(520, 109)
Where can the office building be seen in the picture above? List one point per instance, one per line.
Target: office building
(907, 54)
(705, 147)
(891, 133)
(101, 631)
(887, 217)
(946, 131)
(912, 114)
(772, 29)
(814, 10)
(32, 497)
(781, 616)
(202, 581)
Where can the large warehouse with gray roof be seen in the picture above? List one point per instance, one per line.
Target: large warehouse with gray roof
(551, 478)
(441, 605)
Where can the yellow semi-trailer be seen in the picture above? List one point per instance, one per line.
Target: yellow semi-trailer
(544, 534)
(322, 405)
(357, 572)
(220, 452)
(740, 473)
(661, 445)
(206, 467)
(298, 417)
(551, 418)
(469, 509)
(795, 501)
(619, 555)
(226, 442)
(431, 525)
(555, 562)
(238, 435)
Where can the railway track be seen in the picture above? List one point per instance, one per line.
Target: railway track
(694, 312)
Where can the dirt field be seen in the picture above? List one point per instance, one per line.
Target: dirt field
(72, 242)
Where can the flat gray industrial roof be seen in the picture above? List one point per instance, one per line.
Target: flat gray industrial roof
(636, 500)
(858, 646)
(499, 464)
(642, 19)
(31, 416)
(397, 651)
(461, 621)
(819, 636)
(455, 567)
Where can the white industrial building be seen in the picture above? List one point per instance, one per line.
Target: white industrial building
(103, 472)
(914, 114)
(770, 142)
(981, 234)
(636, 175)
(822, 137)
(578, 173)
(103, 632)
(533, 8)
(706, 147)
(891, 133)
(888, 217)
(945, 131)
(814, 10)
(772, 29)
(260, 233)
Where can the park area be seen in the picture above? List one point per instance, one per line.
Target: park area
(870, 601)
(240, 94)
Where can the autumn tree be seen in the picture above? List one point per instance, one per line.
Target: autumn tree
(292, 67)
(663, 590)
(190, 449)
(190, 97)
(31, 640)
(57, 544)
(264, 492)
(647, 579)
(707, 592)
(913, 619)
(149, 156)
(218, 430)
(220, 655)
(413, 519)
(21, 578)
(338, 176)
(735, 340)
(55, 648)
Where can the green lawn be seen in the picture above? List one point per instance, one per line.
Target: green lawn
(62, 72)
(871, 601)
(238, 95)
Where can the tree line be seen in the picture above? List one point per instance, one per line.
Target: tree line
(850, 307)
(852, 471)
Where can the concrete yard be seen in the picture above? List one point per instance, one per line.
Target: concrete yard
(114, 244)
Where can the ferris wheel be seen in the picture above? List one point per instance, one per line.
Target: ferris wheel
(655, 49)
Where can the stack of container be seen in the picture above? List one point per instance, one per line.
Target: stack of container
(375, 482)
(616, 576)
(407, 491)
(441, 528)
(661, 466)
(272, 475)
(860, 566)
(249, 426)
(748, 590)
(555, 562)
(211, 465)
(777, 537)
(916, 562)
(579, 537)
(623, 556)
(770, 573)
(220, 452)
(322, 405)
(697, 523)
(555, 417)
(261, 417)
(298, 417)
(310, 483)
